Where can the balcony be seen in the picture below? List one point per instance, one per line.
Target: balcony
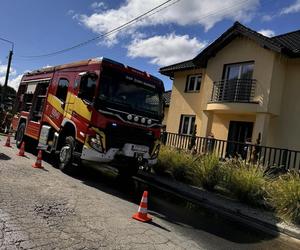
(234, 91)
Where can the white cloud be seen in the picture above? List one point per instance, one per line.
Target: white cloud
(47, 66)
(98, 5)
(3, 69)
(205, 12)
(166, 50)
(293, 8)
(70, 12)
(13, 80)
(267, 32)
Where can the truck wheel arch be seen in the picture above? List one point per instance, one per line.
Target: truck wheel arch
(68, 128)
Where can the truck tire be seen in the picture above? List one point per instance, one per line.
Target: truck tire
(66, 155)
(20, 135)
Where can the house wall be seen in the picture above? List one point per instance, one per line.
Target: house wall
(166, 112)
(184, 103)
(243, 49)
(220, 124)
(284, 129)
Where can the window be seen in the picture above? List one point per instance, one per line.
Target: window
(62, 89)
(238, 71)
(187, 124)
(88, 87)
(193, 83)
(126, 93)
(237, 81)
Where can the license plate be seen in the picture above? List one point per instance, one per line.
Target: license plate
(140, 148)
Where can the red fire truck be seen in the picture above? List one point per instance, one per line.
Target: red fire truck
(96, 110)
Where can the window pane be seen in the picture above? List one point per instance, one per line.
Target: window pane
(191, 83)
(62, 89)
(88, 87)
(192, 124)
(247, 71)
(232, 72)
(185, 125)
(198, 83)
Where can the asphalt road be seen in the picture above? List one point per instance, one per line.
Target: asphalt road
(46, 209)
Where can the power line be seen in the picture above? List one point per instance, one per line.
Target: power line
(143, 16)
(104, 34)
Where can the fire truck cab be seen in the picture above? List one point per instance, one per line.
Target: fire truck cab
(95, 110)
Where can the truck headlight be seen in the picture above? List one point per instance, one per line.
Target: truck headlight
(96, 143)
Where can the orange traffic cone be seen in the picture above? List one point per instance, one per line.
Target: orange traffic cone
(22, 150)
(38, 163)
(7, 143)
(142, 214)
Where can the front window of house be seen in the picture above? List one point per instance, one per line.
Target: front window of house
(193, 83)
(237, 84)
(239, 71)
(187, 124)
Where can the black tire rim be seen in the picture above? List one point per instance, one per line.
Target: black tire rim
(65, 154)
(20, 135)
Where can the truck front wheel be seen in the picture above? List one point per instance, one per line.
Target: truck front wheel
(66, 155)
(20, 134)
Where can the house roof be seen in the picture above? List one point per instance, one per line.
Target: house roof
(288, 44)
(167, 97)
(169, 70)
(290, 41)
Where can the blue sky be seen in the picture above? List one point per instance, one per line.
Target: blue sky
(174, 34)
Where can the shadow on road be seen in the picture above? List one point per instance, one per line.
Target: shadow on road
(169, 208)
(4, 157)
(172, 209)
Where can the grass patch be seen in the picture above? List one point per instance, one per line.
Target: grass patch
(284, 196)
(207, 171)
(177, 163)
(245, 181)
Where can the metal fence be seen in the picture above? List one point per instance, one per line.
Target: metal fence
(266, 156)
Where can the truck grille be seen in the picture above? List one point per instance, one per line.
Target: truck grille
(117, 136)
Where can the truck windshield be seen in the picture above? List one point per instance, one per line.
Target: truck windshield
(129, 93)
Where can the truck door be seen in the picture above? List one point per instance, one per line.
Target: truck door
(57, 99)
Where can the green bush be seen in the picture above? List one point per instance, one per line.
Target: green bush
(284, 196)
(245, 181)
(177, 163)
(207, 171)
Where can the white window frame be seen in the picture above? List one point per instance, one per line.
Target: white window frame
(197, 77)
(190, 129)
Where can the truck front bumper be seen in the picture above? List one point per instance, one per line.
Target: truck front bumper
(129, 151)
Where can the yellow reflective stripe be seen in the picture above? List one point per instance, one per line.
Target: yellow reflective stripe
(56, 103)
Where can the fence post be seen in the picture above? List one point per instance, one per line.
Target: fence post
(284, 159)
(193, 138)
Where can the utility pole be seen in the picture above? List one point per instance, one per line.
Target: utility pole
(7, 76)
(8, 69)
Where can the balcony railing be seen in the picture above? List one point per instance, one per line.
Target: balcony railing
(236, 90)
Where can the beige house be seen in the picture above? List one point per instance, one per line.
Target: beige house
(167, 99)
(241, 85)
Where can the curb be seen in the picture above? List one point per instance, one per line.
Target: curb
(255, 218)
